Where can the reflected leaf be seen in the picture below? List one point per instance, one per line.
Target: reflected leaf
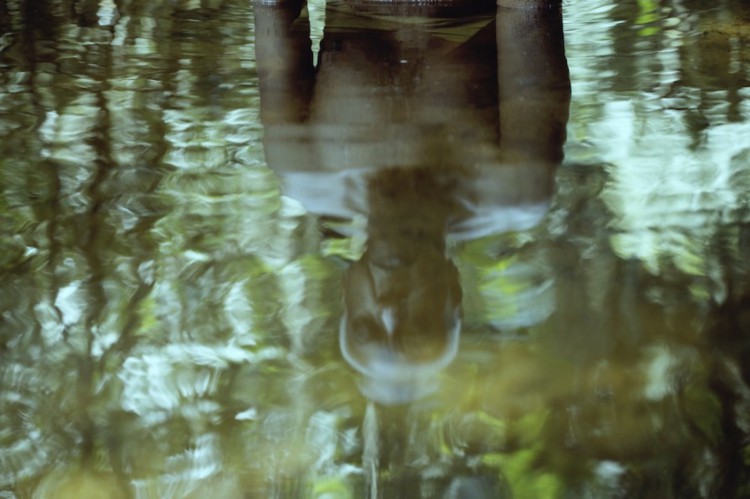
(526, 482)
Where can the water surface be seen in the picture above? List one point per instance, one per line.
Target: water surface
(342, 252)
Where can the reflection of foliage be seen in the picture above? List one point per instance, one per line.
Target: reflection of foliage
(519, 468)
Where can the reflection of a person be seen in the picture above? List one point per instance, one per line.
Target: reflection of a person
(438, 129)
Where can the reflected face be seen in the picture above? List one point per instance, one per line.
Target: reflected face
(401, 324)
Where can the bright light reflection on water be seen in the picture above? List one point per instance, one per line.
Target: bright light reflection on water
(333, 252)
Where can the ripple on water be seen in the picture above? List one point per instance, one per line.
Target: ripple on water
(169, 319)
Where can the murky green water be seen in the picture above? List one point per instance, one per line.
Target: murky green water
(236, 263)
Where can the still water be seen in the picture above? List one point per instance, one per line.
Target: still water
(343, 250)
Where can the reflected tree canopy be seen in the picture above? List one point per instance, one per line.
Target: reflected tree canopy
(225, 227)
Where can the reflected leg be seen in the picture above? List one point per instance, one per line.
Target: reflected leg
(284, 61)
(533, 81)
(286, 78)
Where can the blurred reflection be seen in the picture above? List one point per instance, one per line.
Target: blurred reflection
(438, 130)
(166, 318)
